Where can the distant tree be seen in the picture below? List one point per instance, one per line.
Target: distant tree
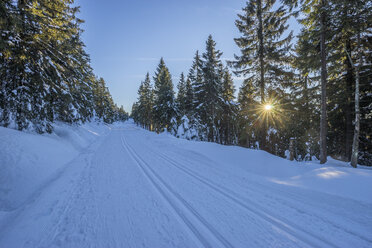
(196, 78)
(164, 103)
(181, 96)
(228, 118)
(210, 90)
(145, 103)
(189, 98)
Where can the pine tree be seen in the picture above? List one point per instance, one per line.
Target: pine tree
(196, 78)
(181, 96)
(352, 20)
(195, 96)
(210, 90)
(164, 104)
(304, 121)
(228, 118)
(189, 99)
(247, 115)
(45, 72)
(263, 49)
(145, 103)
(103, 104)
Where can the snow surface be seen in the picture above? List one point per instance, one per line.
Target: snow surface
(121, 186)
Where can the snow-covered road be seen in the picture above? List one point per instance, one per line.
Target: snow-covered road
(133, 188)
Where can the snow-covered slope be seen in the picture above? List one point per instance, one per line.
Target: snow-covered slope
(28, 162)
(122, 186)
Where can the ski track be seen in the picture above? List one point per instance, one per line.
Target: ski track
(249, 205)
(128, 189)
(151, 175)
(306, 235)
(282, 223)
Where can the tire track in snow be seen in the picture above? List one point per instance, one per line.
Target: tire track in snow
(187, 210)
(283, 224)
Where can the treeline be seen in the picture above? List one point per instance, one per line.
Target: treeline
(204, 107)
(45, 74)
(303, 99)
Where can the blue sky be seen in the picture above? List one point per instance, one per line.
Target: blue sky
(127, 38)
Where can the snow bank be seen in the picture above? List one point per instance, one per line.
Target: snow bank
(29, 161)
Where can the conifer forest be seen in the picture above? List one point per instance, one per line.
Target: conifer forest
(44, 71)
(195, 123)
(312, 92)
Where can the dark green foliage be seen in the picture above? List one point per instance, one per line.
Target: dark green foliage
(44, 71)
(263, 60)
(143, 111)
(344, 19)
(228, 115)
(196, 78)
(290, 80)
(164, 103)
(209, 92)
(263, 49)
(204, 107)
(189, 98)
(181, 96)
(247, 115)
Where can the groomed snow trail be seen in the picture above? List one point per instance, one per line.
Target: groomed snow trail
(133, 188)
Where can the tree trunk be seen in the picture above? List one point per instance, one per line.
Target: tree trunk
(323, 115)
(354, 154)
(348, 105)
(263, 133)
(261, 51)
(291, 149)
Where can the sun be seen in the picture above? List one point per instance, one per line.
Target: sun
(268, 107)
(270, 112)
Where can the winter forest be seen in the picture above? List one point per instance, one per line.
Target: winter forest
(197, 123)
(304, 97)
(44, 71)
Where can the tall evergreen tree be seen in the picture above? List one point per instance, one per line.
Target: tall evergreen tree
(210, 90)
(181, 96)
(189, 98)
(228, 118)
(44, 71)
(103, 104)
(247, 115)
(145, 103)
(196, 78)
(304, 117)
(263, 49)
(164, 104)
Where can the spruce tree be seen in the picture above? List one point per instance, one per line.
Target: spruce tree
(145, 103)
(263, 49)
(181, 96)
(45, 72)
(164, 104)
(304, 117)
(247, 115)
(228, 117)
(189, 98)
(210, 90)
(196, 78)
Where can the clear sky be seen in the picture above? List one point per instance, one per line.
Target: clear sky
(127, 38)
